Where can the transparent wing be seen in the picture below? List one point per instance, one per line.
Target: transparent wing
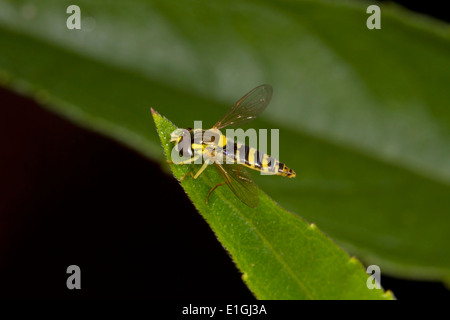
(240, 182)
(248, 107)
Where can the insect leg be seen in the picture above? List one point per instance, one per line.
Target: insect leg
(189, 160)
(201, 169)
(205, 164)
(189, 173)
(214, 188)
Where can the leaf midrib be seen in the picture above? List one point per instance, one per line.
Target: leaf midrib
(265, 241)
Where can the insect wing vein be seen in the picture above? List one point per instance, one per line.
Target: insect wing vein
(247, 108)
(240, 182)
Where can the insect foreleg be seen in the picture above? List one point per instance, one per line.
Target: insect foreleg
(190, 160)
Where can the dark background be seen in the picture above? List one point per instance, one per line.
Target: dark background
(434, 8)
(69, 196)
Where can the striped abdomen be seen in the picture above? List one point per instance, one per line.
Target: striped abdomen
(253, 159)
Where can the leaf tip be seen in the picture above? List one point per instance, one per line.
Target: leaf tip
(389, 295)
(156, 116)
(353, 260)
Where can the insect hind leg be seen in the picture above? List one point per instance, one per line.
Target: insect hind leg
(212, 189)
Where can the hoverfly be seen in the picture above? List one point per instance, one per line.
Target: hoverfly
(211, 146)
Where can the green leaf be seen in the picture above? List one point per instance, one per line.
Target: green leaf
(279, 254)
(363, 114)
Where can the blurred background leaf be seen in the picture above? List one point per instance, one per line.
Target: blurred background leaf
(363, 114)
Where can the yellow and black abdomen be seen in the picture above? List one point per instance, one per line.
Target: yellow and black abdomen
(254, 159)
